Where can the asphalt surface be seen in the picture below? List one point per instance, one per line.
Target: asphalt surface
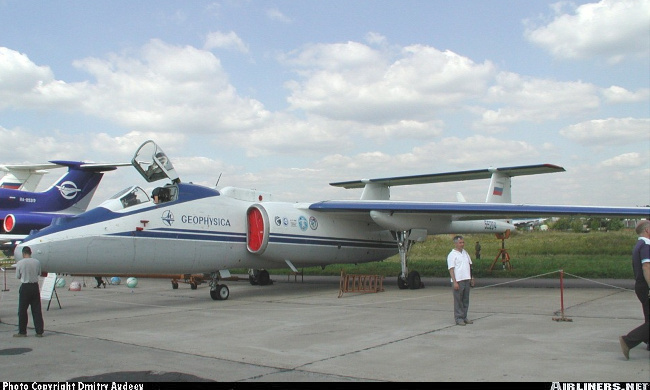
(523, 331)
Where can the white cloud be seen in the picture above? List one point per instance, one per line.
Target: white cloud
(375, 38)
(219, 40)
(352, 81)
(625, 160)
(610, 29)
(610, 131)
(616, 94)
(277, 15)
(536, 100)
(168, 88)
(24, 84)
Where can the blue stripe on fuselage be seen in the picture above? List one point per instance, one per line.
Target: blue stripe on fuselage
(187, 193)
(199, 235)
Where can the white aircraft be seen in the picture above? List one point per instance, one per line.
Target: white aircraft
(25, 177)
(192, 229)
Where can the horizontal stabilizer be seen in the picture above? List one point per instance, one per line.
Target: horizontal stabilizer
(452, 176)
(91, 167)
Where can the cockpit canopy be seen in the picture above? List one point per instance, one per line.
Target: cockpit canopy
(153, 164)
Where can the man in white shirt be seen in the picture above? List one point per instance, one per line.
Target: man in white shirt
(460, 269)
(28, 270)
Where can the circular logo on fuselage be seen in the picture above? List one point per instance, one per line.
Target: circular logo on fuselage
(313, 223)
(167, 217)
(302, 223)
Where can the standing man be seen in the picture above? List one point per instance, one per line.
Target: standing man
(460, 270)
(641, 267)
(28, 270)
(477, 248)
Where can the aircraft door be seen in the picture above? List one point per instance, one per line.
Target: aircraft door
(257, 233)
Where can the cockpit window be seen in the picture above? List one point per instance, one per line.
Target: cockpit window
(164, 194)
(133, 197)
(128, 197)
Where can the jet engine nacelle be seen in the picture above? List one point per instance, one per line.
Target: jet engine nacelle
(257, 232)
(25, 223)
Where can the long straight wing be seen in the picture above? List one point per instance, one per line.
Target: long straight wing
(476, 211)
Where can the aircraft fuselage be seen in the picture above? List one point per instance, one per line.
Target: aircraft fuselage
(204, 231)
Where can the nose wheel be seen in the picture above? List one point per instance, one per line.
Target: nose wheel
(221, 293)
(218, 292)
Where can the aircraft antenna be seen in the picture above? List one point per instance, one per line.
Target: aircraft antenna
(219, 178)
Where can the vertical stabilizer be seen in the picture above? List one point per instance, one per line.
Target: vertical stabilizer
(375, 191)
(500, 189)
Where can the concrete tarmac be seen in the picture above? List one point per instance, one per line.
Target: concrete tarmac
(302, 331)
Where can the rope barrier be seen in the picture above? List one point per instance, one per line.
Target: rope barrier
(562, 273)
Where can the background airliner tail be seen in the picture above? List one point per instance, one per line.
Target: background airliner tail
(24, 177)
(70, 194)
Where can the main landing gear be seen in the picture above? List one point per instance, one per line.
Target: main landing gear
(405, 239)
(218, 292)
(259, 277)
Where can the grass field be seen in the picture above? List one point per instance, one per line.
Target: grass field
(588, 255)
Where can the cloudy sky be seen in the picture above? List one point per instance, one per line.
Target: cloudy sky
(288, 96)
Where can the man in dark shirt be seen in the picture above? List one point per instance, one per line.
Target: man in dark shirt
(641, 267)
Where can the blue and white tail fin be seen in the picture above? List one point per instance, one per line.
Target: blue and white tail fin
(72, 192)
(23, 211)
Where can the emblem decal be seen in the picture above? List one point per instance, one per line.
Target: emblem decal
(167, 217)
(313, 223)
(302, 223)
(68, 189)
(278, 220)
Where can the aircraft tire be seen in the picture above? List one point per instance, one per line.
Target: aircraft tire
(193, 286)
(174, 286)
(221, 293)
(401, 283)
(252, 280)
(264, 278)
(414, 281)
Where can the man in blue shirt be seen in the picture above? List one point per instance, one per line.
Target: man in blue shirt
(641, 266)
(28, 270)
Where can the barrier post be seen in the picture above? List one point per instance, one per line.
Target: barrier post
(563, 318)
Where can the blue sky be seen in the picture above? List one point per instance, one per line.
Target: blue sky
(287, 96)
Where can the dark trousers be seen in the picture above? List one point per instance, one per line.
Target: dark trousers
(641, 333)
(29, 295)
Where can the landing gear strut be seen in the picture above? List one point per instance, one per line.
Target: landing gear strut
(405, 239)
